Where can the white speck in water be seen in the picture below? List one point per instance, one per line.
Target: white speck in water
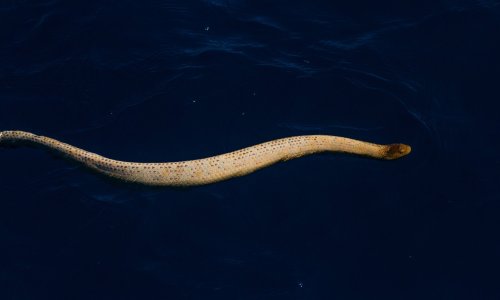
(300, 284)
(207, 28)
(254, 94)
(243, 113)
(306, 61)
(194, 101)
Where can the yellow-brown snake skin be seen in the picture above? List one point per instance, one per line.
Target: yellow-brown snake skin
(215, 168)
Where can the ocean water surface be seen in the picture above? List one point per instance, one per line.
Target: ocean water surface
(174, 80)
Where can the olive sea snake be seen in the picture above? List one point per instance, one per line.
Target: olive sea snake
(215, 168)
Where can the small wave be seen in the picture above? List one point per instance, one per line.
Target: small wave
(367, 38)
(44, 18)
(488, 4)
(323, 127)
(176, 7)
(13, 5)
(267, 22)
(224, 3)
(227, 45)
(350, 44)
(410, 85)
(281, 63)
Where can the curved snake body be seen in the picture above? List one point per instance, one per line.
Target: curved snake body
(215, 168)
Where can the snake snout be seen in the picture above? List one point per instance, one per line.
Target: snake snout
(395, 151)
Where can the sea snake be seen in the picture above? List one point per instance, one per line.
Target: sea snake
(215, 168)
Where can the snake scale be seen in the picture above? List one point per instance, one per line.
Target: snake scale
(211, 169)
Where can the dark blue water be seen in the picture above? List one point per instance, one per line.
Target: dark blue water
(175, 80)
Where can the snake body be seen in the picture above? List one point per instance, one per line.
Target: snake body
(215, 168)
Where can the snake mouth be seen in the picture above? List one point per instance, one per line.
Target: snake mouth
(395, 151)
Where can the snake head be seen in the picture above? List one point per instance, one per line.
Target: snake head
(394, 151)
